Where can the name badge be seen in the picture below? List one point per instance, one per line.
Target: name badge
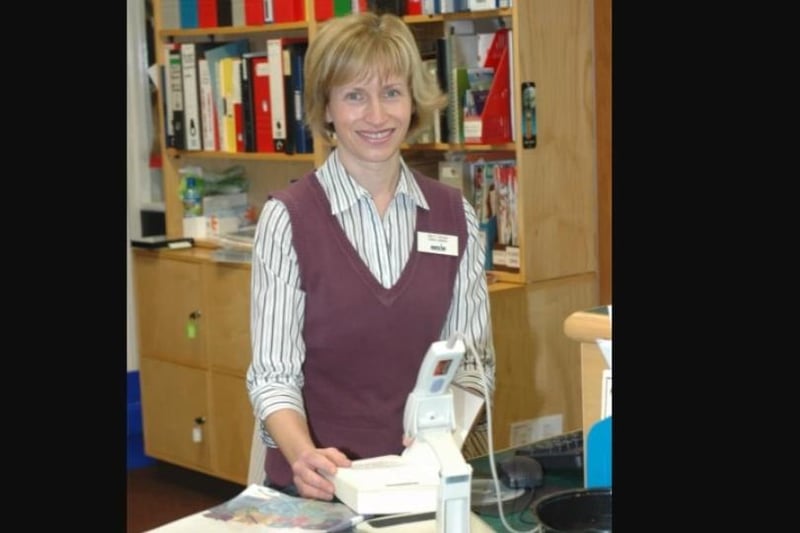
(437, 243)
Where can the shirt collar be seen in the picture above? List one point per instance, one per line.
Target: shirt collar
(344, 192)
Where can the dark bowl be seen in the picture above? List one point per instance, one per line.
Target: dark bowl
(575, 511)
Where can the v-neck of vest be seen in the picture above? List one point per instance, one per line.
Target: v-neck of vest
(385, 295)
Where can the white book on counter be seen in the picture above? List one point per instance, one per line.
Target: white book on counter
(387, 484)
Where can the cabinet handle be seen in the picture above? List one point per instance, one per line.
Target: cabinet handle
(191, 325)
(197, 430)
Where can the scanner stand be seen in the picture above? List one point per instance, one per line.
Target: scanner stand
(429, 419)
(455, 476)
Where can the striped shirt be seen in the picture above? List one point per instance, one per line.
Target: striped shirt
(274, 377)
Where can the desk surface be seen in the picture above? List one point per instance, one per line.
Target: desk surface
(518, 512)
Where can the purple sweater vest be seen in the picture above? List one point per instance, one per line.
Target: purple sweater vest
(365, 343)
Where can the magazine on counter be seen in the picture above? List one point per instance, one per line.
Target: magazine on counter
(261, 509)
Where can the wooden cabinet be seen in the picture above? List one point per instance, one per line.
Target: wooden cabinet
(175, 288)
(538, 372)
(194, 343)
(174, 406)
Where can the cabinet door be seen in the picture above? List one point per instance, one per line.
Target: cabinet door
(174, 400)
(227, 316)
(169, 314)
(231, 427)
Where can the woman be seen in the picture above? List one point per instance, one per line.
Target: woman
(359, 265)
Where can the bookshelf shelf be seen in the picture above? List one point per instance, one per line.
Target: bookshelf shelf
(231, 31)
(240, 156)
(446, 147)
(467, 15)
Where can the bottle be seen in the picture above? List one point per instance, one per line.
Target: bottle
(192, 199)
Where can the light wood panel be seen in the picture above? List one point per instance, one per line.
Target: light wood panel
(555, 358)
(538, 367)
(230, 426)
(172, 397)
(226, 290)
(512, 342)
(166, 295)
(554, 46)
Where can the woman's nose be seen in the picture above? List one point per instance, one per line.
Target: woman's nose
(375, 110)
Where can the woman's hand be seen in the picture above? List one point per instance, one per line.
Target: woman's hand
(309, 468)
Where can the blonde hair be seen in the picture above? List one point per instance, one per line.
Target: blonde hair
(358, 46)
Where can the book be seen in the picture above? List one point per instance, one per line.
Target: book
(413, 7)
(269, 12)
(262, 103)
(226, 114)
(191, 103)
(237, 13)
(277, 89)
(190, 56)
(213, 56)
(175, 137)
(236, 103)
(288, 11)
(506, 177)
(447, 6)
(247, 103)
(299, 135)
(162, 241)
(342, 7)
(224, 13)
(170, 14)
(208, 113)
(490, 120)
(395, 7)
(207, 14)
(188, 13)
(258, 509)
(443, 76)
(479, 5)
(254, 12)
(461, 51)
(323, 10)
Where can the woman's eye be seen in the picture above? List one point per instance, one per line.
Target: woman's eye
(354, 96)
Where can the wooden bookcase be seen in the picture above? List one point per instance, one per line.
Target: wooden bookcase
(538, 370)
(557, 179)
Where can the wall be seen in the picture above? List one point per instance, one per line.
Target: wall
(138, 148)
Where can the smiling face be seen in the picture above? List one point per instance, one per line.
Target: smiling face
(371, 117)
